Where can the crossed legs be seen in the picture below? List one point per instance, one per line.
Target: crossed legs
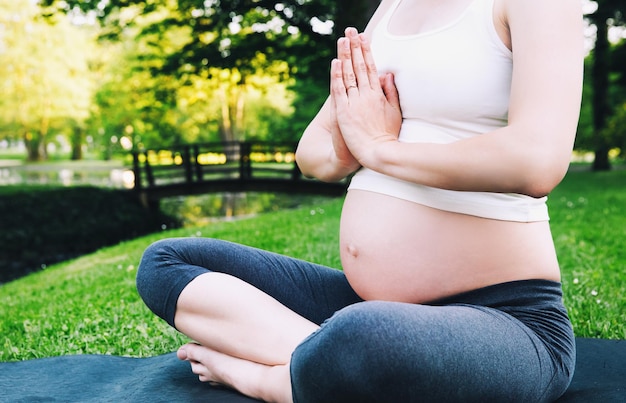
(257, 331)
(245, 336)
(245, 308)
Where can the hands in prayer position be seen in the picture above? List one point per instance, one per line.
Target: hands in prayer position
(364, 105)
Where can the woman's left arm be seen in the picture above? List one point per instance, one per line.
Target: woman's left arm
(532, 153)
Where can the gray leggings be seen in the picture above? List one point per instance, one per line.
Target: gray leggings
(509, 342)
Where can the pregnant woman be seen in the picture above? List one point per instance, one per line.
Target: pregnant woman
(456, 118)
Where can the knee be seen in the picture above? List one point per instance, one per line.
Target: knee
(163, 272)
(153, 256)
(164, 254)
(149, 278)
(159, 250)
(336, 362)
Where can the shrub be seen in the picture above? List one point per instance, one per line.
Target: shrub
(42, 225)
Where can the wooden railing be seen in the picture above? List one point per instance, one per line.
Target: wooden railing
(223, 167)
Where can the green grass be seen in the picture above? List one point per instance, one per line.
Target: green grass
(89, 305)
(588, 212)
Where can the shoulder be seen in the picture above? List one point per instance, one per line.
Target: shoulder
(532, 15)
(555, 25)
(536, 7)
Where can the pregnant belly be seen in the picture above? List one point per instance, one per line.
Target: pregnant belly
(396, 250)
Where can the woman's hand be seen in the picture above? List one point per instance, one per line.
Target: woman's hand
(366, 106)
(334, 144)
(341, 152)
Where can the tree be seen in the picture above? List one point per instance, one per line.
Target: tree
(46, 83)
(242, 36)
(140, 103)
(131, 105)
(609, 13)
(231, 33)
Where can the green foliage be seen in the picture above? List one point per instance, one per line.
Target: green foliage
(589, 137)
(47, 88)
(42, 226)
(616, 128)
(163, 88)
(308, 100)
(604, 69)
(89, 305)
(163, 73)
(157, 75)
(144, 103)
(231, 34)
(227, 34)
(130, 102)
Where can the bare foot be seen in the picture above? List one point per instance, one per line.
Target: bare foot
(268, 383)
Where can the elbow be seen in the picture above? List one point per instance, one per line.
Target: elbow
(300, 162)
(542, 178)
(321, 164)
(538, 189)
(305, 162)
(309, 168)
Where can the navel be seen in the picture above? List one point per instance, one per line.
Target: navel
(352, 250)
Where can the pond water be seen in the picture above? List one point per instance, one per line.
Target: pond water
(188, 210)
(203, 209)
(110, 174)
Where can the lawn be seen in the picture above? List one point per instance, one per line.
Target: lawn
(588, 212)
(89, 305)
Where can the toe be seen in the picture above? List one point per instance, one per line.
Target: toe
(189, 352)
(182, 353)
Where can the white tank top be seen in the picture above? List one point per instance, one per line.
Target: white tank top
(454, 83)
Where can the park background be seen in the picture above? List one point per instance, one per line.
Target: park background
(84, 83)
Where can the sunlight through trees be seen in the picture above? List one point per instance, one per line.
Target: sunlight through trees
(107, 76)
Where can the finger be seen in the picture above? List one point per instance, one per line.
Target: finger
(345, 56)
(333, 101)
(358, 62)
(390, 90)
(370, 64)
(338, 94)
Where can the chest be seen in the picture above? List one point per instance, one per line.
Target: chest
(459, 71)
(418, 16)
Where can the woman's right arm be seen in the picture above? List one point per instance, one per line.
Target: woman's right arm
(322, 153)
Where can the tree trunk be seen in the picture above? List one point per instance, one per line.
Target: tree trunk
(32, 149)
(240, 106)
(35, 149)
(600, 79)
(43, 149)
(77, 144)
(226, 129)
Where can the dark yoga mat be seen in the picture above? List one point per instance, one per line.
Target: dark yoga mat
(600, 377)
(105, 378)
